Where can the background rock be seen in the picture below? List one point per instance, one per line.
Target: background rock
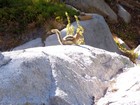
(33, 43)
(124, 14)
(70, 75)
(73, 8)
(96, 34)
(94, 6)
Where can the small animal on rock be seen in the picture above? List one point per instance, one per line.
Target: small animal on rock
(67, 40)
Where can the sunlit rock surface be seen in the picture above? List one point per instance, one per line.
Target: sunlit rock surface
(124, 89)
(58, 75)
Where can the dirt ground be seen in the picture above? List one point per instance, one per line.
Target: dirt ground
(130, 33)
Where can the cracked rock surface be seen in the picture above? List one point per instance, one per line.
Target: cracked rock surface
(58, 75)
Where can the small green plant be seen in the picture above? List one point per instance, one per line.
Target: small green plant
(79, 30)
(129, 53)
(70, 28)
(24, 12)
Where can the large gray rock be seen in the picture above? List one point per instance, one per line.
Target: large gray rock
(33, 43)
(124, 14)
(58, 75)
(94, 6)
(96, 34)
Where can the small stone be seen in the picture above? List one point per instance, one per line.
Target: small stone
(1, 56)
(124, 14)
